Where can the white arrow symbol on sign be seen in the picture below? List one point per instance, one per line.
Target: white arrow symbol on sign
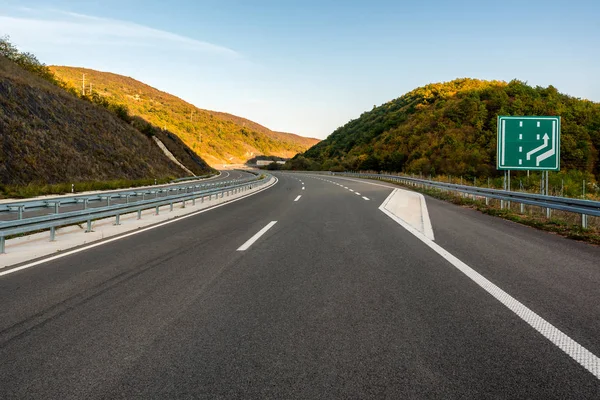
(550, 152)
(539, 148)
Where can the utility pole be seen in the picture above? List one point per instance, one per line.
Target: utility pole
(83, 85)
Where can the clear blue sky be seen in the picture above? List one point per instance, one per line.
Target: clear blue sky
(311, 66)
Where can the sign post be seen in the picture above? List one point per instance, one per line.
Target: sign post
(528, 143)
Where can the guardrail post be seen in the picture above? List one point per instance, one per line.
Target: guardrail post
(107, 201)
(52, 234)
(127, 199)
(118, 219)
(89, 226)
(85, 203)
(139, 214)
(21, 212)
(183, 203)
(2, 245)
(57, 207)
(157, 210)
(171, 206)
(584, 221)
(522, 208)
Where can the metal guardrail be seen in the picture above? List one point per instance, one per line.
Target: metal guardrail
(21, 207)
(578, 206)
(248, 171)
(192, 178)
(53, 221)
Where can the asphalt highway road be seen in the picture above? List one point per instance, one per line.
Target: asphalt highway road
(334, 300)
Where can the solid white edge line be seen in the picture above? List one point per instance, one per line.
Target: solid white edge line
(298, 198)
(68, 253)
(573, 349)
(428, 229)
(257, 236)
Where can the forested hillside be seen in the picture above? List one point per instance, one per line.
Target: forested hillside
(219, 138)
(450, 128)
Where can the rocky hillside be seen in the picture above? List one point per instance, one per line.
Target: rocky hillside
(51, 136)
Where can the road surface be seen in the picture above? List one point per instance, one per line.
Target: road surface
(333, 300)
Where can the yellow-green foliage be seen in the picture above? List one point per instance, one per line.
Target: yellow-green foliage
(450, 128)
(217, 137)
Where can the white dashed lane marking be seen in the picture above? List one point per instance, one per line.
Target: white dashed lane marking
(257, 236)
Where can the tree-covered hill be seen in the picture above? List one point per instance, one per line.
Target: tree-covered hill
(450, 128)
(218, 138)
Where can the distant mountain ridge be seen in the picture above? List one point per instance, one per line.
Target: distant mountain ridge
(219, 138)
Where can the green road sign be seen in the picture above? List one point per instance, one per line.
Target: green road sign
(529, 143)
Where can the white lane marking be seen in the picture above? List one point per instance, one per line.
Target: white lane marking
(257, 236)
(68, 253)
(356, 193)
(298, 198)
(366, 198)
(573, 349)
(302, 187)
(345, 187)
(351, 190)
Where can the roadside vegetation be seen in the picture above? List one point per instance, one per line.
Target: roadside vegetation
(41, 189)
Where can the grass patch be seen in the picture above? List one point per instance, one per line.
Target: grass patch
(43, 189)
